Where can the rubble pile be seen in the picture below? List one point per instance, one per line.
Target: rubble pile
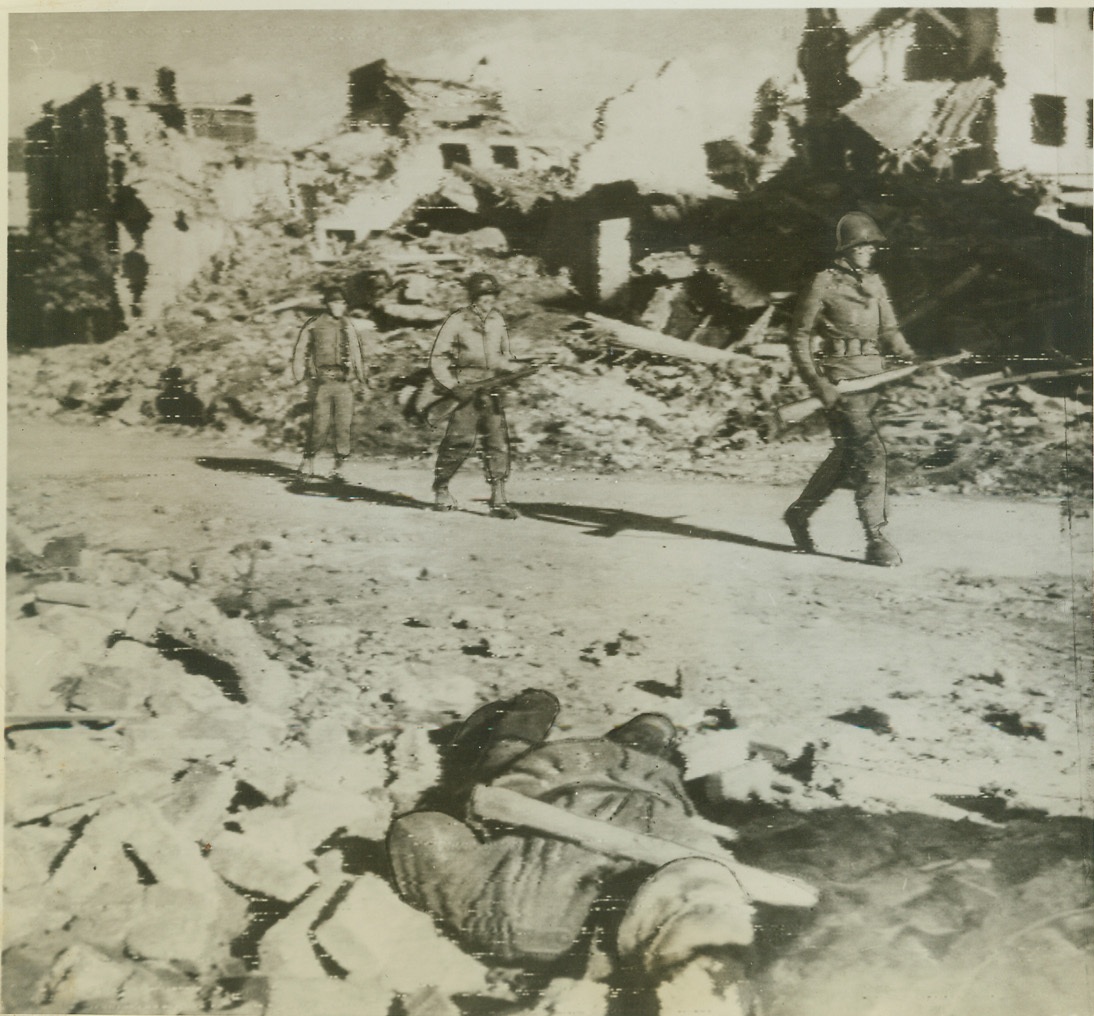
(207, 741)
(162, 762)
(219, 358)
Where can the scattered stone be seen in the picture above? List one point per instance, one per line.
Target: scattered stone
(430, 1001)
(565, 996)
(867, 718)
(1011, 723)
(74, 594)
(269, 853)
(417, 288)
(487, 239)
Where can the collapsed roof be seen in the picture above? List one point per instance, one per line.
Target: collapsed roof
(382, 97)
(922, 118)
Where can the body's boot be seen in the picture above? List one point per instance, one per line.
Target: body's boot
(797, 521)
(306, 467)
(879, 550)
(443, 501)
(338, 470)
(500, 507)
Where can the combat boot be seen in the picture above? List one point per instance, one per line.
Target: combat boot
(500, 507)
(443, 501)
(497, 732)
(797, 521)
(879, 550)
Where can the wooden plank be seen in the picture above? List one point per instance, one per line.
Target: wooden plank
(650, 341)
(500, 805)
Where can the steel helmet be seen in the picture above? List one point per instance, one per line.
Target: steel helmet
(856, 228)
(481, 283)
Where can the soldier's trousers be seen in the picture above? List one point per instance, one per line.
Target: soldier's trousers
(482, 419)
(331, 409)
(515, 898)
(857, 460)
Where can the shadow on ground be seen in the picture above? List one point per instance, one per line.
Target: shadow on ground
(921, 914)
(314, 486)
(608, 522)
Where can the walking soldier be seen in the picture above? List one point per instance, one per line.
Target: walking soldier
(846, 305)
(472, 347)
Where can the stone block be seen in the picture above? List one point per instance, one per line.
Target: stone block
(83, 979)
(270, 855)
(403, 948)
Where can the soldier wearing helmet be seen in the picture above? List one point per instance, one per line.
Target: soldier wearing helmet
(473, 345)
(847, 308)
(328, 355)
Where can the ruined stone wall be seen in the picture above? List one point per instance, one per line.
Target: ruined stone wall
(232, 124)
(66, 161)
(168, 199)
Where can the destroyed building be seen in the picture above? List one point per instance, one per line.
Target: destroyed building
(967, 91)
(664, 154)
(408, 143)
(163, 182)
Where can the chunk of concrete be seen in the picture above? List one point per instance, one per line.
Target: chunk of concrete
(270, 855)
(84, 978)
(404, 948)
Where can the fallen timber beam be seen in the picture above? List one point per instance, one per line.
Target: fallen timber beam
(506, 806)
(650, 341)
(1001, 381)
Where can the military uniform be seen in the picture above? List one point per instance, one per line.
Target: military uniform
(521, 897)
(328, 355)
(850, 311)
(472, 347)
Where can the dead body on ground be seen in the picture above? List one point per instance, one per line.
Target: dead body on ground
(585, 853)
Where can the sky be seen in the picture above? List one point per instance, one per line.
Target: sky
(555, 66)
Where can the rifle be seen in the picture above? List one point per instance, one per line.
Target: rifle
(447, 402)
(795, 412)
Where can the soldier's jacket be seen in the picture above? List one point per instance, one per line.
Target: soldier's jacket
(470, 347)
(521, 896)
(326, 342)
(851, 313)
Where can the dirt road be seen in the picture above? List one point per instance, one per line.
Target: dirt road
(816, 694)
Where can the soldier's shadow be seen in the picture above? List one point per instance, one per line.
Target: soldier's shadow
(314, 486)
(608, 522)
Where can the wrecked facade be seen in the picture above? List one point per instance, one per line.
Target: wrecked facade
(661, 151)
(166, 180)
(408, 140)
(963, 91)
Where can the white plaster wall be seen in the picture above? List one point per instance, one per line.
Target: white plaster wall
(419, 171)
(613, 257)
(18, 203)
(173, 173)
(1047, 59)
(654, 134)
